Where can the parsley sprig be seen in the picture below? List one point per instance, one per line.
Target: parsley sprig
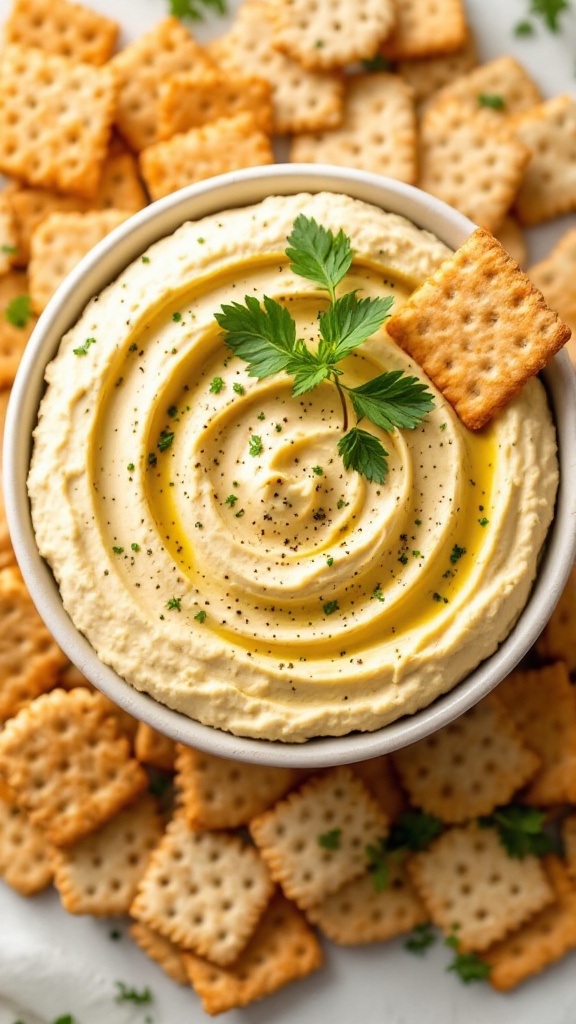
(468, 966)
(521, 831)
(549, 11)
(413, 831)
(264, 335)
(192, 9)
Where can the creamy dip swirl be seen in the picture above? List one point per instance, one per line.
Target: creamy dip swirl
(203, 531)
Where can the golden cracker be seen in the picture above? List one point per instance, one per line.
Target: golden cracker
(448, 327)
(59, 243)
(548, 188)
(426, 28)
(302, 100)
(290, 836)
(13, 337)
(282, 949)
(7, 556)
(151, 747)
(8, 236)
(541, 941)
(46, 137)
(503, 78)
(429, 74)
(511, 237)
(471, 162)
(24, 855)
(357, 913)
(541, 703)
(63, 28)
(143, 67)
(224, 145)
(30, 660)
(191, 101)
(380, 778)
(568, 830)
(378, 130)
(469, 883)
(555, 278)
(218, 793)
(331, 33)
(70, 768)
(166, 954)
(469, 767)
(205, 891)
(99, 875)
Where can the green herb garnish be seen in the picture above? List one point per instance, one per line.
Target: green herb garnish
(10, 250)
(174, 603)
(19, 311)
(255, 445)
(330, 840)
(549, 11)
(117, 550)
(456, 553)
(114, 934)
(68, 1018)
(231, 500)
(216, 385)
(192, 9)
(264, 335)
(491, 100)
(378, 867)
(330, 607)
(414, 830)
(165, 440)
(377, 63)
(524, 28)
(468, 966)
(238, 388)
(201, 616)
(176, 317)
(132, 995)
(82, 350)
(421, 939)
(521, 831)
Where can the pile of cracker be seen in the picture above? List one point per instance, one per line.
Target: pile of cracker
(88, 134)
(232, 877)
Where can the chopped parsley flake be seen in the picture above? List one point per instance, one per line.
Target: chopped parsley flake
(483, 521)
(421, 939)
(524, 28)
(173, 603)
(176, 317)
(238, 388)
(200, 616)
(330, 840)
(216, 385)
(135, 547)
(132, 995)
(231, 500)
(239, 513)
(377, 593)
(152, 458)
(456, 553)
(19, 311)
(145, 259)
(491, 100)
(261, 416)
(255, 445)
(318, 470)
(278, 428)
(130, 467)
(438, 597)
(82, 350)
(329, 561)
(117, 550)
(330, 607)
(172, 411)
(341, 503)
(165, 440)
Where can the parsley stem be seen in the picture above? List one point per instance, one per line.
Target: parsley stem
(343, 401)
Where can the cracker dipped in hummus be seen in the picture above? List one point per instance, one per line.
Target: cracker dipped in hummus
(205, 533)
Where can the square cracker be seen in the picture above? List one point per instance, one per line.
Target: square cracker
(468, 882)
(63, 28)
(378, 131)
(512, 238)
(100, 874)
(282, 949)
(13, 339)
(380, 778)
(289, 836)
(30, 660)
(448, 326)
(548, 188)
(426, 28)
(224, 145)
(205, 891)
(190, 101)
(540, 942)
(143, 67)
(472, 161)
(469, 767)
(70, 768)
(543, 706)
(166, 954)
(503, 77)
(7, 556)
(152, 748)
(302, 100)
(24, 854)
(427, 75)
(568, 830)
(8, 236)
(357, 913)
(55, 119)
(59, 243)
(555, 277)
(331, 33)
(218, 793)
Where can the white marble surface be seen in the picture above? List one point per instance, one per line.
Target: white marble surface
(42, 949)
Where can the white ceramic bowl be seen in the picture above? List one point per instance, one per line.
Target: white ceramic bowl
(100, 267)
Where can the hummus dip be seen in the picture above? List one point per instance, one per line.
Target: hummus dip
(201, 526)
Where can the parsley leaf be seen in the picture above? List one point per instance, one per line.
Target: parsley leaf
(414, 830)
(308, 369)
(468, 966)
(377, 63)
(421, 939)
(348, 322)
(330, 840)
(189, 9)
(264, 338)
(521, 831)
(317, 254)
(18, 311)
(392, 400)
(132, 995)
(549, 11)
(255, 445)
(378, 867)
(491, 100)
(363, 452)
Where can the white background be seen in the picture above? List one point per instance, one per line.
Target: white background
(380, 984)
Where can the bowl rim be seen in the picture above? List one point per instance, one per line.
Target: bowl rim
(102, 265)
